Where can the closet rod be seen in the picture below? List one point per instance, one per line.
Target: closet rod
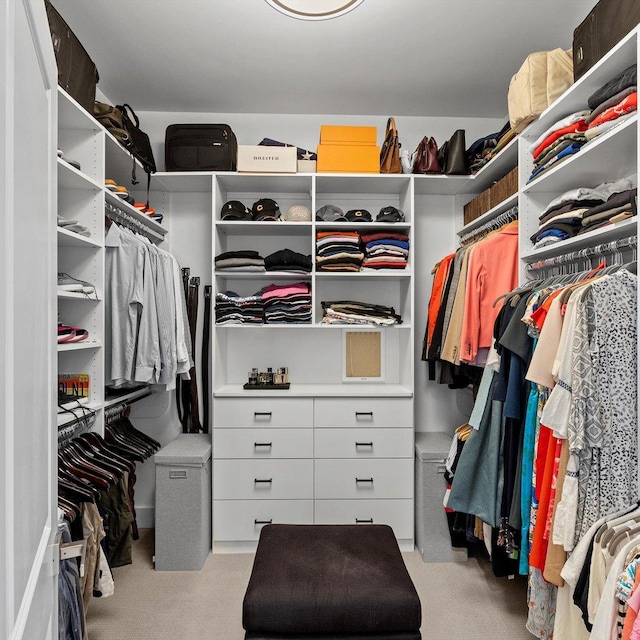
(117, 410)
(127, 220)
(611, 248)
(80, 424)
(499, 221)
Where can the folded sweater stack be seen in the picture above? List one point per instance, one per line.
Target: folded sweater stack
(250, 261)
(288, 303)
(338, 251)
(234, 309)
(579, 210)
(385, 250)
(354, 312)
(608, 107)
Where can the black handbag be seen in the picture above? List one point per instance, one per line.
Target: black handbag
(122, 122)
(452, 155)
(200, 147)
(77, 74)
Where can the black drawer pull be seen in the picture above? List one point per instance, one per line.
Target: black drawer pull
(364, 413)
(262, 444)
(265, 481)
(367, 521)
(364, 444)
(364, 479)
(263, 521)
(261, 413)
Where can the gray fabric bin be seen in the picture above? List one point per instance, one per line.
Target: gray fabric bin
(432, 532)
(183, 503)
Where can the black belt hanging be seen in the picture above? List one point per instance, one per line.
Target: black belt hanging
(204, 360)
(183, 394)
(192, 312)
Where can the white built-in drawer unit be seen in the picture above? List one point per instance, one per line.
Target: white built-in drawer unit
(324, 460)
(363, 412)
(263, 479)
(363, 479)
(398, 514)
(243, 519)
(262, 443)
(394, 442)
(263, 412)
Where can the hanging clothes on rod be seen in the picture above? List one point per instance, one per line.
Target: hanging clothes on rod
(461, 314)
(147, 337)
(554, 440)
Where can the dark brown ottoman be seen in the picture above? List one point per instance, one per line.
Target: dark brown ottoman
(330, 582)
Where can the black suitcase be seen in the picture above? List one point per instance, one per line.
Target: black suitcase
(200, 147)
(607, 23)
(77, 74)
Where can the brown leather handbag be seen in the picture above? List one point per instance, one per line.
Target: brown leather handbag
(390, 151)
(425, 157)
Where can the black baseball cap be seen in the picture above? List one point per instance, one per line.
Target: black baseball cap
(390, 214)
(358, 215)
(265, 209)
(234, 210)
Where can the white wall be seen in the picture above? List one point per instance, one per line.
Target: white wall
(437, 408)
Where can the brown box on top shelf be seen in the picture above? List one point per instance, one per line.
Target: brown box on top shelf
(476, 207)
(504, 188)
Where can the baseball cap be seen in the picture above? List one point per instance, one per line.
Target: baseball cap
(298, 213)
(390, 214)
(234, 210)
(330, 213)
(358, 215)
(265, 209)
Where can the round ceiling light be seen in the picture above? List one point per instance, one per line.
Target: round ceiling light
(314, 9)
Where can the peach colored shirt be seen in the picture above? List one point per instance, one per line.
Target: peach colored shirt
(492, 272)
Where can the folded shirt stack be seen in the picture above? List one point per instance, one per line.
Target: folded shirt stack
(354, 312)
(563, 139)
(234, 309)
(608, 107)
(565, 216)
(250, 261)
(385, 250)
(620, 206)
(338, 251)
(288, 303)
(288, 260)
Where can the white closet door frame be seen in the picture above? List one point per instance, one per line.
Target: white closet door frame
(28, 441)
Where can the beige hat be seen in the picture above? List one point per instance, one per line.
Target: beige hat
(298, 213)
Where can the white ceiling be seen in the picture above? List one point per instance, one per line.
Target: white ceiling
(386, 57)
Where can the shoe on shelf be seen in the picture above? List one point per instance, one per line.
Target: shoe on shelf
(110, 184)
(74, 285)
(65, 333)
(71, 334)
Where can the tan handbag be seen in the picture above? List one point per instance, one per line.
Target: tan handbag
(390, 151)
(542, 78)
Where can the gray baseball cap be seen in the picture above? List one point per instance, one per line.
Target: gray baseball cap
(330, 213)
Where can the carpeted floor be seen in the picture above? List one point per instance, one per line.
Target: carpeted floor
(459, 600)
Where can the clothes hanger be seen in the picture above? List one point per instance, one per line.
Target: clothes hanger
(626, 535)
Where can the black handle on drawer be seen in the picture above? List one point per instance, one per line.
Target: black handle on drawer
(266, 480)
(367, 521)
(262, 444)
(364, 413)
(269, 521)
(261, 413)
(364, 479)
(364, 444)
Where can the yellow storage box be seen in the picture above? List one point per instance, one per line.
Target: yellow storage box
(336, 158)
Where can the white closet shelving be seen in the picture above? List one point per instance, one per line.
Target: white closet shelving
(606, 158)
(82, 198)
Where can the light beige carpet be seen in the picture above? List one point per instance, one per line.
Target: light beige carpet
(459, 600)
